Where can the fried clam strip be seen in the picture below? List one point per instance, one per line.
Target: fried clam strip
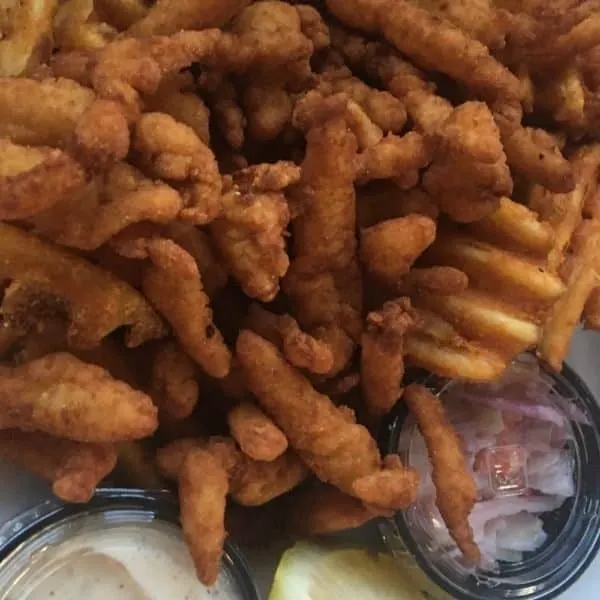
(510, 291)
(326, 351)
(169, 16)
(106, 206)
(33, 179)
(583, 279)
(249, 482)
(65, 397)
(203, 485)
(174, 386)
(257, 435)
(456, 492)
(97, 302)
(173, 284)
(73, 468)
(382, 354)
(252, 482)
(128, 67)
(432, 43)
(326, 437)
(172, 151)
(250, 233)
(63, 114)
(325, 510)
(389, 249)
(25, 36)
(528, 150)
(323, 282)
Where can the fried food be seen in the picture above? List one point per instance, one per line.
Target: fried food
(567, 310)
(382, 355)
(203, 485)
(174, 388)
(173, 151)
(33, 179)
(322, 282)
(325, 437)
(389, 249)
(65, 397)
(173, 284)
(73, 468)
(170, 16)
(107, 206)
(256, 434)
(326, 510)
(97, 302)
(326, 352)
(25, 34)
(252, 482)
(250, 232)
(456, 492)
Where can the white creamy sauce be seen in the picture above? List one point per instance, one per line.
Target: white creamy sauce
(125, 562)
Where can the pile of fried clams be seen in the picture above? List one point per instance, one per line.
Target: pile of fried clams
(226, 226)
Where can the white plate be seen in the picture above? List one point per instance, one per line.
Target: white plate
(20, 491)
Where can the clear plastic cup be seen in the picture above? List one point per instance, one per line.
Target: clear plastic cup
(39, 548)
(567, 421)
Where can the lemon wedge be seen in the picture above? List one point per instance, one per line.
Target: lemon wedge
(308, 571)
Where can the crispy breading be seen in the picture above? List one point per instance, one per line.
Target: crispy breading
(325, 437)
(382, 355)
(174, 388)
(73, 468)
(173, 284)
(456, 492)
(250, 231)
(33, 179)
(255, 432)
(203, 485)
(97, 302)
(65, 397)
(106, 206)
(389, 249)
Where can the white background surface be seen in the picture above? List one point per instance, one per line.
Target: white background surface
(19, 491)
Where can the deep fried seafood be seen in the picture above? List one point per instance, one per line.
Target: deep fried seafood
(250, 233)
(176, 96)
(170, 16)
(173, 284)
(33, 179)
(62, 396)
(252, 482)
(438, 280)
(107, 206)
(25, 34)
(311, 352)
(73, 468)
(173, 151)
(382, 355)
(323, 281)
(456, 492)
(327, 438)
(325, 510)
(433, 44)
(97, 302)
(389, 249)
(174, 388)
(469, 173)
(197, 243)
(268, 109)
(203, 485)
(256, 434)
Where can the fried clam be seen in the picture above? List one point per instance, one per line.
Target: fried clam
(97, 303)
